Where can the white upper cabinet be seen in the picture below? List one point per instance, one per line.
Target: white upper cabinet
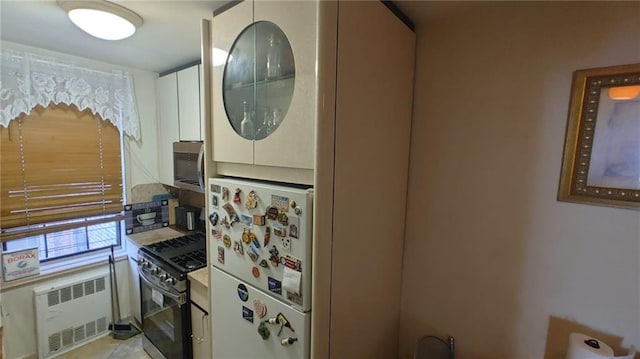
(189, 104)
(178, 98)
(168, 126)
(264, 96)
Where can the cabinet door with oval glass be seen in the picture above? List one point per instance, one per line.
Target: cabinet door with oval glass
(268, 92)
(602, 147)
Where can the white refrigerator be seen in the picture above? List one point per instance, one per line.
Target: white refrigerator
(260, 245)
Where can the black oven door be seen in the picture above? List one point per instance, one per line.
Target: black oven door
(165, 320)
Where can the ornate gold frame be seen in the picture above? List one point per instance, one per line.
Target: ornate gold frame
(581, 133)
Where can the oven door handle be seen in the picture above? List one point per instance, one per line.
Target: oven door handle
(180, 298)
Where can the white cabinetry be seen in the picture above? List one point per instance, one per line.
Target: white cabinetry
(178, 98)
(168, 126)
(189, 104)
(200, 321)
(200, 333)
(281, 106)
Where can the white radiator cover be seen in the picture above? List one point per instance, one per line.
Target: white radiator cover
(71, 312)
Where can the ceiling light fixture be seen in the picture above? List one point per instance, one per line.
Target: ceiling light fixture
(102, 19)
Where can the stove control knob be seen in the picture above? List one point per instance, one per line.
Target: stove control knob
(170, 281)
(163, 276)
(155, 270)
(145, 264)
(140, 261)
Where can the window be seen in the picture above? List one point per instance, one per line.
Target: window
(61, 182)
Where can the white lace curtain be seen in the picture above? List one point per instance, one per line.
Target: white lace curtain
(28, 80)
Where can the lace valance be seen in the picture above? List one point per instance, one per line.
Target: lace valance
(28, 80)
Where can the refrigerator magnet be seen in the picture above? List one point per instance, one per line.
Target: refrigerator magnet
(226, 240)
(275, 286)
(255, 272)
(221, 254)
(237, 247)
(252, 252)
(225, 194)
(294, 222)
(245, 236)
(246, 219)
(279, 231)
(272, 213)
(283, 219)
(286, 244)
(243, 292)
(291, 280)
(236, 196)
(247, 314)
(259, 220)
(264, 331)
(252, 200)
(225, 222)
(274, 258)
(260, 308)
(280, 202)
(267, 236)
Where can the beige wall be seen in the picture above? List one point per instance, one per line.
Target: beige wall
(490, 256)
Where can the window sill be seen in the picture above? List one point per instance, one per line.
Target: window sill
(67, 266)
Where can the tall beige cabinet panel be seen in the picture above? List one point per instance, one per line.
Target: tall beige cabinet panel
(361, 182)
(264, 114)
(343, 96)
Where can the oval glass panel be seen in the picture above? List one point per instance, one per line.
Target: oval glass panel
(258, 80)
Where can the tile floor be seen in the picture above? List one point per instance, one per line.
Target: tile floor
(109, 348)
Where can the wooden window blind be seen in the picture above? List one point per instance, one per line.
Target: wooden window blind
(58, 164)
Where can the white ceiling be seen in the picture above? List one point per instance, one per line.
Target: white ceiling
(169, 37)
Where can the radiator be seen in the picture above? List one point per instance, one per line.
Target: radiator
(72, 312)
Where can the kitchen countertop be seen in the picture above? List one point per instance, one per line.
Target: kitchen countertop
(200, 276)
(156, 235)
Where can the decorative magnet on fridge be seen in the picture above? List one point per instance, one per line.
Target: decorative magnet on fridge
(252, 200)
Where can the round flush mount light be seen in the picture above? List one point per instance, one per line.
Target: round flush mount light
(102, 19)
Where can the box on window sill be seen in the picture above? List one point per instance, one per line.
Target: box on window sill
(20, 264)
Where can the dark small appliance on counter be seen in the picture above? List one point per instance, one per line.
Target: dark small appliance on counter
(188, 218)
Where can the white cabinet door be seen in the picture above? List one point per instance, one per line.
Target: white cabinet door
(228, 146)
(189, 104)
(200, 333)
(168, 128)
(292, 144)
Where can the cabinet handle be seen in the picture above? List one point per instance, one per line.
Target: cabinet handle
(200, 166)
(200, 340)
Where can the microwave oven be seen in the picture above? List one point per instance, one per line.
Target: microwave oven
(188, 165)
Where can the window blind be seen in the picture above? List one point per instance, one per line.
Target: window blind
(58, 164)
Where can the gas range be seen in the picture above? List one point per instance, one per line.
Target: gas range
(167, 263)
(164, 294)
